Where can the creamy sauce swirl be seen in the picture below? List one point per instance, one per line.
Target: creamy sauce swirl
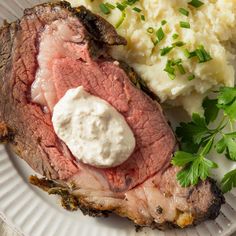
(94, 131)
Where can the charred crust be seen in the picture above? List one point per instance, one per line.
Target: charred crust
(72, 203)
(6, 134)
(214, 206)
(159, 210)
(68, 201)
(218, 200)
(99, 29)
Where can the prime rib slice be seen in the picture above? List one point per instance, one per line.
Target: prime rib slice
(54, 48)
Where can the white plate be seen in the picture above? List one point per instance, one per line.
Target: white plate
(32, 212)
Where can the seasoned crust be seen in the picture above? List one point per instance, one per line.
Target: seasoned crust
(100, 30)
(71, 202)
(6, 135)
(68, 201)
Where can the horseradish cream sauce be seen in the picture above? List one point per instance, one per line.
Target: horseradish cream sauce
(94, 131)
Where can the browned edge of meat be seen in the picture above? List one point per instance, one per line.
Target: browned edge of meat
(98, 27)
(72, 203)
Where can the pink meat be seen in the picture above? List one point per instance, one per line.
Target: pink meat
(69, 65)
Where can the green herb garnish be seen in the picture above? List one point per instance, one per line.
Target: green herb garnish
(137, 9)
(170, 69)
(196, 3)
(121, 7)
(121, 20)
(191, 77)
(229, 181)
(103, 7)
(176, 62)
(184, 24)
(178, 44)
(143, 18)
(163, 22)
(202, 54)
(109, 5)
(189, 54)
(165, 50)
(184, 12)
(181, 69)
(175, 36)
(150, 30)
(198, 138)
(131, 2)
(160, 34)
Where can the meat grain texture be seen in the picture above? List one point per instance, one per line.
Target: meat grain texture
(144, 188)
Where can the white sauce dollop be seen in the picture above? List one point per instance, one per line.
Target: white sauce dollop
(94, 131)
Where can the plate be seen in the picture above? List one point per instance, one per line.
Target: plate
(32, 212)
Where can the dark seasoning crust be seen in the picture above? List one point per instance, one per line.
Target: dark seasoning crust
(100, 31)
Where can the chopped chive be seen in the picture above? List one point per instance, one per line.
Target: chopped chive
(121, 20)
(186, 53)
(131, 2)
(184, 24)
(202, 54)
(160, 34)
(193, 54)
(163, 22)
(189, 54)
(196, 3)
(137, 9)
(191, 77)
(176, 62)
(178, 44)
(124, 3)
(171, 76)
(165, 50)
(175, 36)
(109, 5)
(170, 70)
(104, 9)
(121, 7)
(150, 30)
(142, 17)
(155, 42)
(184, 11)
(181, 69)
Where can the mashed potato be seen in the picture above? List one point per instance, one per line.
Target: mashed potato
(213, 25)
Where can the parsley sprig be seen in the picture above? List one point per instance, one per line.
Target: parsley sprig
(198, 138)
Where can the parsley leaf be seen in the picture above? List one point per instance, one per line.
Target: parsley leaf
(194, 131)
(227, 101)
(229, 181)
(182, 158)
(228, 143)
(198, 168)
(210, 109)
(197, 140)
